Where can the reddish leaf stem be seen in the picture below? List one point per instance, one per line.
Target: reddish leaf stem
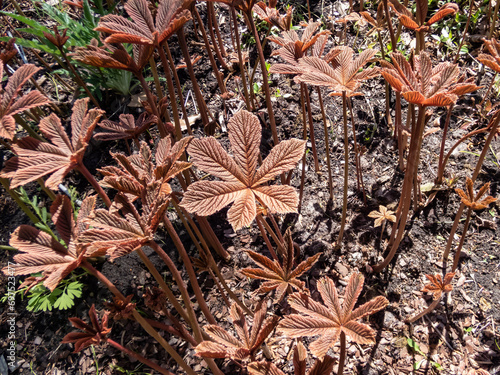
(218, 75)
(265, 81)
(493, 130)
(346, 172)
(429, 308)
(202, 106)
(179, 89)
(327, 143)
(164, 287)
(259, 219)
(83, 170)
(458, 250)
(240, 59)
(311, 129)
(139, 357)
(189, 268)
(342, 353)
(405, 200)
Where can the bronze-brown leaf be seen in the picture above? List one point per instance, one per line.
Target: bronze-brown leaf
(118, 235)
(424, 85)
(382, 215)
(271, 15)
(280, 277)
(418, 23)
(93, 333)
(342, 75)
(328, 320)
(9, 106)
(243, 182)
(126, 128)
(136, 172)
(142, 30)
(491, 60)
(114, 56)
(57, 157)
(472, 201)
(225, 345)
(438, 286)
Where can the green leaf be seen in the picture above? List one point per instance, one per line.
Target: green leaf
(27, 21)
(67, 299)
(33, 44)
(414, 346)
(437, 366)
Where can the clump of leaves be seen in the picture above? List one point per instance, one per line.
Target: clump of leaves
(137, 173)
(243, 182)
(280, 277)
(118, 235)
(142, 30)
(93, 333)
(332, 320)
(293, 47)
(437, 287)
(43, 253)
(342, 76)
(424, 85)
(9, 106)
(225, 345)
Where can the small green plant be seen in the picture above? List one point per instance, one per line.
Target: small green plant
(41, 212)
(416, 349)
(62, 298)
(135, 371)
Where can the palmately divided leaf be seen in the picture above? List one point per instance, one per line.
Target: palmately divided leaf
(118, 235)
(36, 159)
(8, 104)
(342, 75)
(93, 333)
(170, 17)
(423, 85)
(330, 320)
(241, 183)
(226, 345)
(472, 201)
(280, 276)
